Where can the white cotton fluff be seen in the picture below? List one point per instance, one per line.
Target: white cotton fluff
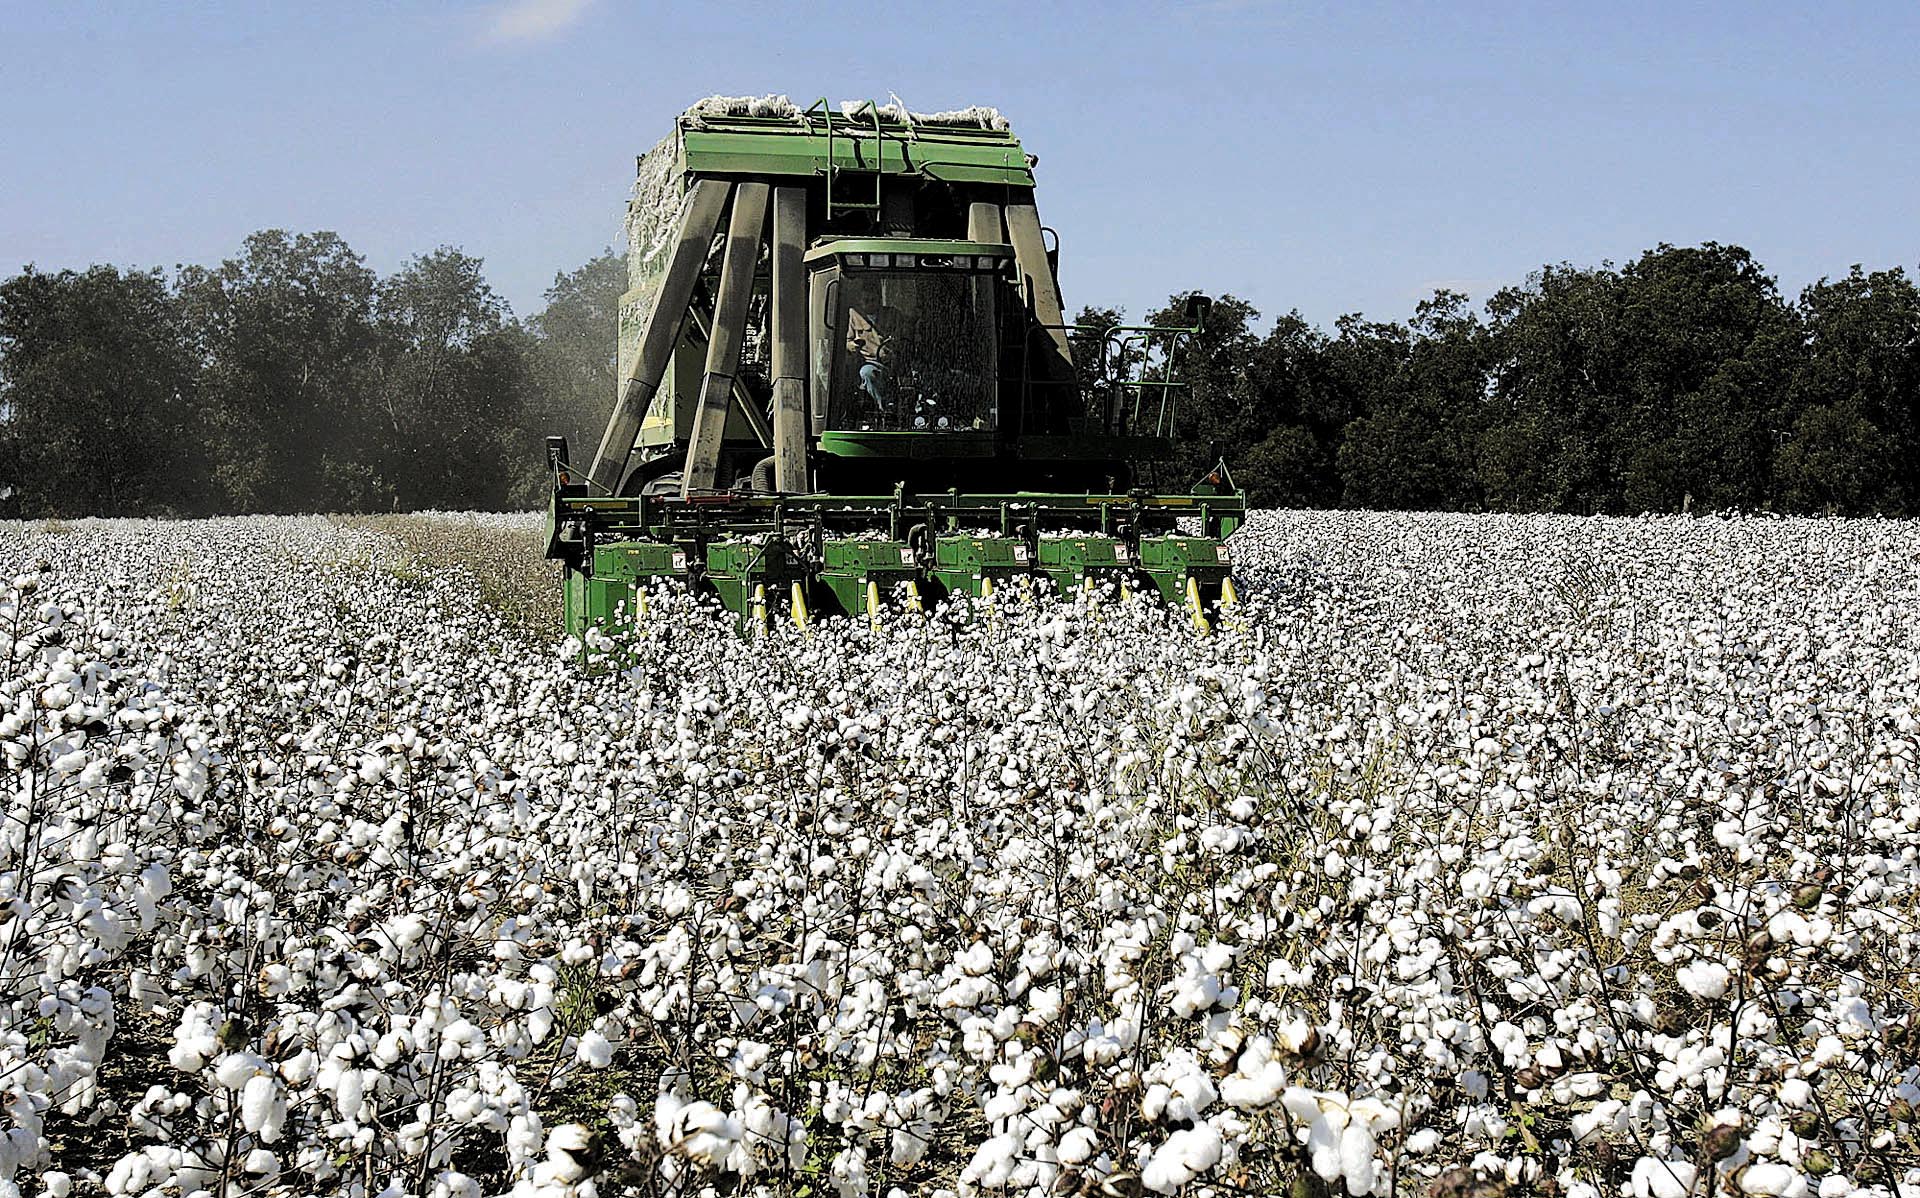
(1186, 1154)
(454, 1184)
(1703, 979)
(908, 1145)
(1293, 1034)
(1604, 1116)
(993, 1162)
(977, 961)
(234, 1068)
(1854, 1016)
(569, 1138)
(1258, 1080)
(1078, 1146)
(1421, 1142)
(299, 1068)
(1044, 1005)
(1356, 1158)
(1654, 1178)
(263, 1111)
(1192, 995)
(1774, 1178)
(348, 1091)
(594, 1050)
(702, 1132)
(195, 1041)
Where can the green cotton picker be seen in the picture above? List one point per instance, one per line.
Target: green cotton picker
(846, 381)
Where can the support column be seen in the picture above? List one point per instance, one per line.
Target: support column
(1029, 247)
(1055, 398)
(723, 347)
(742, 398)
(790, 341)
(983, 223)
(697, 223)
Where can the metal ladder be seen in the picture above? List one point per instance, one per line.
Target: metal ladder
(834, 170)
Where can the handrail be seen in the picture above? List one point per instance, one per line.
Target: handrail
(1115, 344)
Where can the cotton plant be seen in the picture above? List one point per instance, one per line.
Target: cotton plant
(1473, 853)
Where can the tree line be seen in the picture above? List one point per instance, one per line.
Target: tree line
(1683, 380)
(292, 377)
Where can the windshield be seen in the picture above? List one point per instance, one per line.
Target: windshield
(917, 351)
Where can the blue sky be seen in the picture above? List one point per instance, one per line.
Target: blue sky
(1326, 157)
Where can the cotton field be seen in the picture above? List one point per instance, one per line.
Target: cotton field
(1477, 855)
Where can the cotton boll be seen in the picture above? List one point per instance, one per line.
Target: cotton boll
(567, 1149)
(1653, 1178)
(1423, 1141)
(263, 1110)
(993, 1163)
(594, 1050)
(234, 1069)
(454, 1184)
(261, 1163)
(1185, 1155)
(1356, 1158)
(702, 1133)
(1078, 1146)
(1773, 1178)
(1704, 979)
(908, 1146)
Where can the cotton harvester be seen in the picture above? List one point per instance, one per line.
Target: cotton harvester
(845, 379)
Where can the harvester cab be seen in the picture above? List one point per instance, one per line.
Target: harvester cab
(845, 376)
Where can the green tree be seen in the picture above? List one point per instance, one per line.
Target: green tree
(1852, 442)
(284, 336)
(1639, 389)
(1418, 394)
(1299, 415)
(95, 384)
(446, 399)
(1544, 436)
(575, 356)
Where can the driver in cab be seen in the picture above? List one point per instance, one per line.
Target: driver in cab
(871, 338)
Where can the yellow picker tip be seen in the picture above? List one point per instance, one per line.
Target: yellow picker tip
(1194, 605)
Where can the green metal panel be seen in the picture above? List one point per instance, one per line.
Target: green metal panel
(1170, 561)
(789, 148)
(639, 517)
(737, 567)
(608, 594)
(856, 443)
(965, 564)
(848, 567)
(1068, 560)
(632, 561)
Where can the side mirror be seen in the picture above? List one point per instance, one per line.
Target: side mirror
(1198, 306)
